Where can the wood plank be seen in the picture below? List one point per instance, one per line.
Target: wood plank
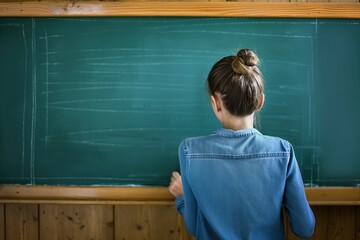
(339, 1)
(335, 222)
(183, 233)
(333, 195)
(167, 203)
(76, 222)
(146, 222)
(181, 9)
(2, 222)
(85, 193)
(332, 222)
(87, 202)
(22, 222)
(357, 223)
(145, 195)
(324, 1)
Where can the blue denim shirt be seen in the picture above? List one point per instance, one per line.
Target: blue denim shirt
(235, 184)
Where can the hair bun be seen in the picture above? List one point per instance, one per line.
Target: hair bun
(244, 61)
(249, 57)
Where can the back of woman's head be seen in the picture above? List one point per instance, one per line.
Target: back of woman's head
(238, 81)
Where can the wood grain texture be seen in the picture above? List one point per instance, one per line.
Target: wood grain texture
(2, 222)
(22, 222)
(332, 222)
(70, 193)
(181, 9)
(183, 233)
(145, 195)
(146, 222)
(76, 222)
(357, 216)
(333, 196)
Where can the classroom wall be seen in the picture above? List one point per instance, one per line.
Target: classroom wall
(145, 221)
(96, 222)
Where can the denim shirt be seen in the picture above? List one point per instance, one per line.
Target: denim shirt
(235, 184)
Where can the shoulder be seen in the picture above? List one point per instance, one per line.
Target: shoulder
(274, 142)
(199, 140)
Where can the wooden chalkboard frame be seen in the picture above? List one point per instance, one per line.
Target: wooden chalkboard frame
(145, 195)
(160, 195)
(180, 9)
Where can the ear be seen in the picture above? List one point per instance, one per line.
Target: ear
(216, 105)
(261, 102)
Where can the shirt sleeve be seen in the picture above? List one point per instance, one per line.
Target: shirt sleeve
(302, 221)
(186, 205)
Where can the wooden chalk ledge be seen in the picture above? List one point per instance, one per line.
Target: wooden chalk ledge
(144, 195)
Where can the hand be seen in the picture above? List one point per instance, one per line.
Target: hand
(176, 187)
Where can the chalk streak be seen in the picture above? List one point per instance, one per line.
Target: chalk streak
(50, 36)
(138, 56)
(242, 34)
(127, 64)
(24, 108)
(283, 117)
(109, 83)
(144, 63)
(147, 100)
(338, 23)
(47, 89)
(51, 64)
(113, 88)
(118, 145)
(116, 130)
(288, 63)
(33, 125)
(132, 73)
(308, 147)
(285, 93)
(231, 23)
(11, 25)
(138, 49)
(120, 84)
(120, 111)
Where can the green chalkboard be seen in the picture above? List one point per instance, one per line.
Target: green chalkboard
(106, 101)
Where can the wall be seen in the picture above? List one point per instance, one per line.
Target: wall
(141, 220)
(97, 222)
(145, 221)
(146, 213)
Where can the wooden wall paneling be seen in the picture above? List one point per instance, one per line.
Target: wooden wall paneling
(335, 222)
(2, 222)
(22, 222)
(150, 222)
(357, 223)
(332, 222)
(72, 222)
(183, 233)
(142, 213)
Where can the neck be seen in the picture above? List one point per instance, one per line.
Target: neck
(238, 123)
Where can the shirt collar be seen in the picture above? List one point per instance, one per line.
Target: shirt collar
(239, 133)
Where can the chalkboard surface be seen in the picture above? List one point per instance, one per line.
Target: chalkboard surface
(106, 101)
